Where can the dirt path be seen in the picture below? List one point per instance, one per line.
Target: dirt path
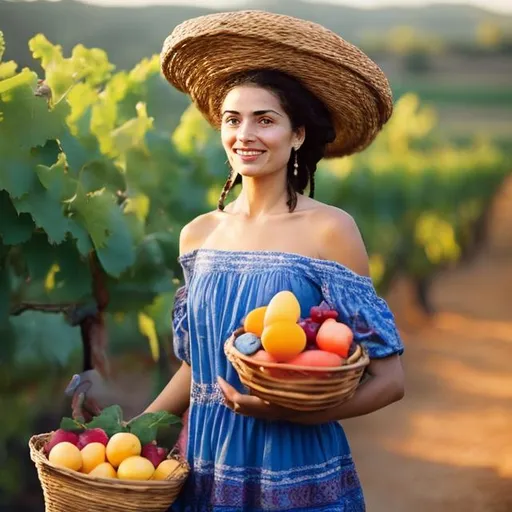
(447, 447)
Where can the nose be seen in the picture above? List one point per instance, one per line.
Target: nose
(245, 133)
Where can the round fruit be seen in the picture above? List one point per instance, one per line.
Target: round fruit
(135, 468)
(121, 446)
(93, 455)
(165, 468)
(254, 321)
(263, 356)
(334, 337)
(92, 435)
(104, 470)
(317, 358)
(66, 455)
(283, 340)
(59, 436)
(283, 306)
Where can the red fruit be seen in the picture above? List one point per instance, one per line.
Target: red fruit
(155, 454)
(317, 358)
(310, 328)
(317, 314)
(92, 435)
(334, 337)
(60, 436)
(330, 313)
(263, 356)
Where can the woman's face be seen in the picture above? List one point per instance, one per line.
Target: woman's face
(256, 133)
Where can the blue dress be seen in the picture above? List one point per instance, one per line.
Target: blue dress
(241, 463)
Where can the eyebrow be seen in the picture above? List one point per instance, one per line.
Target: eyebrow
(256, 112)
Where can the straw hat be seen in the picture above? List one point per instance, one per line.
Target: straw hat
(202, 53)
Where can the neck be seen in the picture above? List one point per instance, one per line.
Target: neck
(262, 196)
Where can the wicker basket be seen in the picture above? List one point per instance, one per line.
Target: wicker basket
(70, 491)
(302, 388)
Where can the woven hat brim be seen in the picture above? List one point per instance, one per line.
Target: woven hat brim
(201, 55)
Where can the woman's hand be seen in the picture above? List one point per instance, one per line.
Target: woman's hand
(250, 405)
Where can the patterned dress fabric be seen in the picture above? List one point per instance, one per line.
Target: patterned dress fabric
(241, 463)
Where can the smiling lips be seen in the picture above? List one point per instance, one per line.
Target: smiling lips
(249, 152)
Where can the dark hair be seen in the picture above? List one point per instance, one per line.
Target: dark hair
(304, 109)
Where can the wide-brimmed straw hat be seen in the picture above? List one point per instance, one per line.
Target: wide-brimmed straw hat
(201, 55)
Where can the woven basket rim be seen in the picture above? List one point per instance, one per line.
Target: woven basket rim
(230, 347)
(39, 457)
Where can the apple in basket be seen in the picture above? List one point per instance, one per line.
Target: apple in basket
(108, 447)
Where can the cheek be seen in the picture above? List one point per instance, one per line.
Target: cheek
(227, 138)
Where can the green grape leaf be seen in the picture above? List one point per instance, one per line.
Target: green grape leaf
(71, 425)
(79, 233)
(103, 219)
(7, 69)
(110, 420)
(16, 172)
(27, 118)
(14, 228)
(118, 254)
(146, 426)
(46, 212)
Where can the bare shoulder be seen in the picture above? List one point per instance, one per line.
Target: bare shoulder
(340, 239)
(193, 234)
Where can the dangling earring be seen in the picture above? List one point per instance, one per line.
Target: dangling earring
(296, 165)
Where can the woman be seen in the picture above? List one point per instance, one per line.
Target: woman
(306, 95)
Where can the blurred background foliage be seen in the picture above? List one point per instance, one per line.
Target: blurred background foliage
(102, 163)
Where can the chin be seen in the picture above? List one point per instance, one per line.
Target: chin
(250, 172)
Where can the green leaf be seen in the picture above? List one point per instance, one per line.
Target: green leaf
(110, 420)
(27, 119)
(46, 211)
(14, 228)
(146, 426)
(79, 233)
(71, 425)
(99, 213)
(7, 69)
(16, 173)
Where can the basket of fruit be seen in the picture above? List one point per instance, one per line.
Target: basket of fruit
(109, 465)
(305, 365)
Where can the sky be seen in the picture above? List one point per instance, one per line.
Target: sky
(495, 5)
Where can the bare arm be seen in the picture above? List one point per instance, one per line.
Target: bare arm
(175, 397)
(384, 386)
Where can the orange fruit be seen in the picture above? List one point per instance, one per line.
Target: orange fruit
(104, 470)
(254, 320)
(93, 455)
(165, 468)
(121, 446)
(135, 468)
(283, 340)
(66, 455)
(283, 306)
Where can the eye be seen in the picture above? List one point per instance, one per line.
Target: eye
(231, 121)
(266, 121)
